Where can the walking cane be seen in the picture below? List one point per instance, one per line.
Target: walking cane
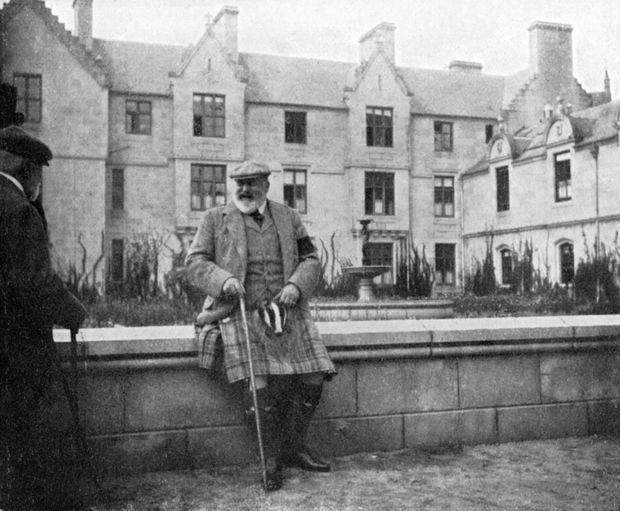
(72, 397)
(259, 435)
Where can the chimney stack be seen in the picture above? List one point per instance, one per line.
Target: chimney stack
(380, 38)
(83, 16)
(551, 50)
(462, 66)
(224, 28)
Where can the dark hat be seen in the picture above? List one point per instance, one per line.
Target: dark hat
(15, 140)
(250, 169)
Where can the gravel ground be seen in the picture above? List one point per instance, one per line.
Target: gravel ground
(564, 474)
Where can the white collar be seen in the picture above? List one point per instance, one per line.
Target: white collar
(14, 181)
(261, 208)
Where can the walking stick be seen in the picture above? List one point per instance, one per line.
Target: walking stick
(259, 435)
(72, 397)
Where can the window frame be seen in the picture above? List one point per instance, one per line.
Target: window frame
(443, 142)
(445, 264)
(502, 188)
(488, 132)
(562, 169)
(295, 127)
(441, 192)
(567, 274)
(118, 189)
(379, 126)
(385, 253)
(203, 182)
(295, 186)
(217, 121)
(117, 271)
(383, 183)
(27, 100)
(133, 118)
(505, 257)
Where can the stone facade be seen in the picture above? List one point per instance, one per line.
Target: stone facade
(87, 128)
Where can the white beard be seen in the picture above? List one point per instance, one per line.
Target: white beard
(246, 206)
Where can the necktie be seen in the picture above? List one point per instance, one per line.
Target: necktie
(258, 218)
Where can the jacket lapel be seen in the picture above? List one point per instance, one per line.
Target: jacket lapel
(235, 227)
(288, 240)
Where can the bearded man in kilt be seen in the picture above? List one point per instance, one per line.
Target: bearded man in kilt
(259, 250)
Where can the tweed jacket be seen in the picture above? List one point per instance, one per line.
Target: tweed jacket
(33, 298)
(219, 251)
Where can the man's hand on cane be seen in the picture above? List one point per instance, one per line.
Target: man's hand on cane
(233, 289)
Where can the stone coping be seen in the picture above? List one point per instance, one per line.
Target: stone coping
(352, 336)
(392, 304)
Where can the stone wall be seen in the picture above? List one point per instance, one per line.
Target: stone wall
(401, 383)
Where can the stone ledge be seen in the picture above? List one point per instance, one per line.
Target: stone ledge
(436, 334)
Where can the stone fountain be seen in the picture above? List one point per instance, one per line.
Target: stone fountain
(366, 272)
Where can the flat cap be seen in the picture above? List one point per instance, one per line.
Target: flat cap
(250, 169)
(17, 141)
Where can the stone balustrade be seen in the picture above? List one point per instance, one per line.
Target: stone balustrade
(402, 383)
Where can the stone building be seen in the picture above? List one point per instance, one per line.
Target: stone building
(144, 135)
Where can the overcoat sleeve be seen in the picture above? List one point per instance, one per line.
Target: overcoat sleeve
(307, 273)
(204, 273)
(33, 282)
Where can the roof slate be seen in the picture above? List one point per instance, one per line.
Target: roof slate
(139, 67)
(437, 92)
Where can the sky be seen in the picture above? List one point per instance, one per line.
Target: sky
(429, 33)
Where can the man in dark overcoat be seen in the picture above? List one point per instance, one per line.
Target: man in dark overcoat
(259, 249)
(32, 299)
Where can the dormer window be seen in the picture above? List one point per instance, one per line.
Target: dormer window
(562, 177)
(295, 127)
(443, 136)
(28, 96)
(209, 115)
(379, 126)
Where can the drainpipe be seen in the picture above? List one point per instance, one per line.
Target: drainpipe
(462, 227)
(594, 149)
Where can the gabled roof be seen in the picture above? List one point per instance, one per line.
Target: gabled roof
(275, 79)
(467, 94)
(82, 55)
(139, 67)
(603, 122)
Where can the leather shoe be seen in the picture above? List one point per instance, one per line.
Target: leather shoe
(306, 461)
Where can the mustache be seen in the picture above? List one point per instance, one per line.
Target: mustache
(246, 195)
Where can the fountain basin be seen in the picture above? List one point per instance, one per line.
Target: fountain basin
(365, 275)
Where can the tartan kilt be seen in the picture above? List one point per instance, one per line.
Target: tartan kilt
(298, 350)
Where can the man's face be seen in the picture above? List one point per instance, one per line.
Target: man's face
(33, 176)
(251, 193)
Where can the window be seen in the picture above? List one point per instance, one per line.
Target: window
(506, 260)
(445, 263)
(503, 189)
(138, 117)
(117, 261)
(444, 196)
(28, 96)
(295, 189)
(380, 254)
(443, 136)
(208, 187)
(378, 127)
(562, 177)
(567, 263)
(118, 189)
(379, 193)
(295, 127)
(488, 133)
(209, 115)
